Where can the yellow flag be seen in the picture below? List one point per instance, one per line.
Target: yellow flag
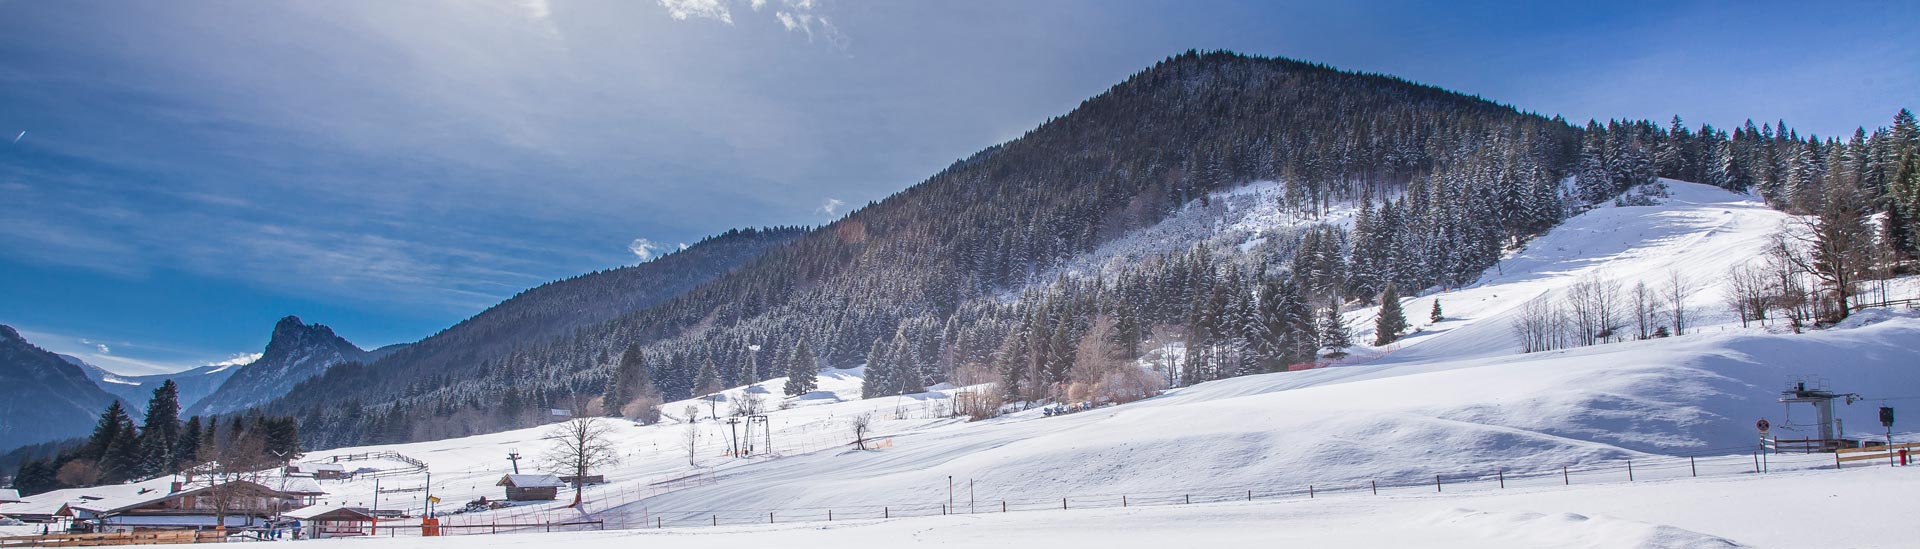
(434, 499)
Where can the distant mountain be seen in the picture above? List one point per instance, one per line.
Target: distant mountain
(543, 316)
(42, 396)
(298, 351)
(194, 384)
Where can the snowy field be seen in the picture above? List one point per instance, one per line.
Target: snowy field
(1456, 399)
(1860, 507)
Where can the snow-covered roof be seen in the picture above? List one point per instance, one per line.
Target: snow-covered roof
(301, 485)
(9, 495)
(322, 467)
(531, 481)
(310, 511)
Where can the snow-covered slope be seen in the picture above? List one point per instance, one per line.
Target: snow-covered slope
(193, 384)
(1456, 400)
(1698, 232)
(1240, 219)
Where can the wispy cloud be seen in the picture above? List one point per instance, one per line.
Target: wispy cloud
(643, 248)
(16, 139)
(831, 207)
(800, 16)
(699, 9)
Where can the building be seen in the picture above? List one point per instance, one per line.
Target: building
(333, 521)
(247, 505)
(531, 487)
(320, 471)
(9, 495)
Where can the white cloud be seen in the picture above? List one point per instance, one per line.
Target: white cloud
(239, 359)
(538, 10)
(795, 16)
(704, 9)
(643, 248)
(831, 207)
(103, 348)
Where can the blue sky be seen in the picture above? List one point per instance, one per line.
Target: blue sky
(191, 171)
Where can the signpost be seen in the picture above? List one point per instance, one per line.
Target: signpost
(1764, 426)
(1886, 420)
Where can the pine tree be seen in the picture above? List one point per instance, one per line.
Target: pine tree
(1392, 320)
(161, 431)
(802, 370)
(707, 380)
(1334, 333)
(1436, 315)
(878, 380)
(615, 395)
(186, 449)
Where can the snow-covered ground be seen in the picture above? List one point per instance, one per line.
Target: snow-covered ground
(1854, 508)
(1456, 399)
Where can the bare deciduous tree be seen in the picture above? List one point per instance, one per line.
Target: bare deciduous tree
(1644, 309)
(1594, 305)
(862, 424)
(749, 403)
(691, 439)
(227, 467)
(1540, 326)
(1677, 292)
(580, 445)
(1749, 294)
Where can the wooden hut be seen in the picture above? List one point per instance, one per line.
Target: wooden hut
(531, 487)
(333, 521)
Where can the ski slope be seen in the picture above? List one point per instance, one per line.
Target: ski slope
(1698, 232)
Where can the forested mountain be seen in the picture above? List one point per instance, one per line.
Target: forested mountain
(551, 314)
(42, 396)
(193, 385)
(297, 351)
(956, 277)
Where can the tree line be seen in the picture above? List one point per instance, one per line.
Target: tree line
(119, 450)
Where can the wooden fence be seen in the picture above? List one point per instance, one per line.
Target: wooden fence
(154, 537)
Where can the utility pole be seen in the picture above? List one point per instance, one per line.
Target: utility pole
(375, 511)
(733, 440)
(513, 455)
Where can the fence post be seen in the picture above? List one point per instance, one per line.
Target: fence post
(1376, 486)
(1564, 478)
(829, 515)
(716, 520)
(1503, 478)
(1249, 495)
(886, 512)
(1691, 466)
(1189, 498)
(1836, 460)
(1436, 483)
(1629, 470)
(1063, 503)
(1003, 506)
(1309, 491)
(659, 523)
(1123, 501)
(769, 517)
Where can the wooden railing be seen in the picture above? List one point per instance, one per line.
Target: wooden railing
(1883, 452)
(155, 537)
